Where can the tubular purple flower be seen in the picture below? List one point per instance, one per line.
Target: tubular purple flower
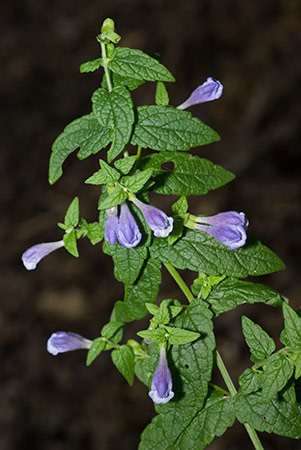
(210, 90)
(111, 229)
(33, 255)
(161, 389)
(62, 341)
(157, 220)
(229, 228)
(128, 232)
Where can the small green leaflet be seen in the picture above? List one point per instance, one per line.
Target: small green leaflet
(130, 83)
(278, 370)
(276, 416)
(110, 329)
(116, 197)
(72, 214)
(190, 175)
(260, 343)
(106, 174)
(90, 66)
(179, 336)
(156, 336)
(132, 63)
(124, 165)
(180, 207)
(292, 328)
(200, 252)
(98, 345)
(123, 358)
(250, 381)
(162, 315)
(167, 128)
(70, 243)
(85, 132)
(127, 261)
(108, 31)
(203, 284)
(136, 182)
(94, 232)
(162, 97)
(232, 292)
(114, 110)
(144, 290)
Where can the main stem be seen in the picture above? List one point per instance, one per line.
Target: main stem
(105, 65)
(220, 363)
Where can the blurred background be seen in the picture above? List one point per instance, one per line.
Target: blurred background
(56, 403)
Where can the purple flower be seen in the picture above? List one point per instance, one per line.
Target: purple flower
(161, 389)
(111, 229)
(32, 256)
(229, 228)
(128, 231)
(211, 89)
(157, 220)
(63, 341)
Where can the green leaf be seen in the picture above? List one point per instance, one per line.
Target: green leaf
(72, 214)
(114, 110)
(70, 243)
(232, 292)
(90, 66)
(110, 329)
(123, 359)
(162, 97)
(217, 415)
(162, 316)
(124, 165)
(106, 174)
(117, 196)
(276, 416)
(130, 83)
(250, 381)
(166, 429)
(156, 336)
(98, 345)
(278, 370)
(260, 343)
(127, 261)
(178, 336)
(85, 132)
(108, 31)
(292, 327)
(136, 182)
(132, 63)
(177, 231)
(298, 367)
(180, 207)
(190, 175)
(166, 128)
(200, 252)
(202, 285)
(152, 309)
(143, 291)
(95, 232)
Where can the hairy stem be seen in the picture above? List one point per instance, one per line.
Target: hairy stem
(105, 65)
(220, 364)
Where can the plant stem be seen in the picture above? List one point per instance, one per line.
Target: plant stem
(180, 282)
(220, 363)
(105, 65)
(139, 152)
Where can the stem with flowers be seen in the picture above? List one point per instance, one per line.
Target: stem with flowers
(175, 355)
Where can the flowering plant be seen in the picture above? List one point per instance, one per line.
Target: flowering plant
(176, 353)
